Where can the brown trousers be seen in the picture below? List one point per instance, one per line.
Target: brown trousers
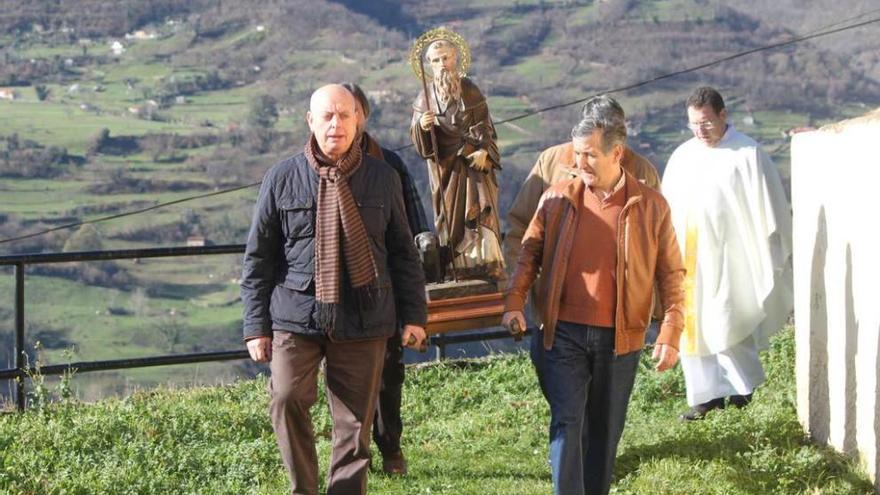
(353, 371)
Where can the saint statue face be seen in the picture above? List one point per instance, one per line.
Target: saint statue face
(709, 127)
(333, 119)
(442, 56)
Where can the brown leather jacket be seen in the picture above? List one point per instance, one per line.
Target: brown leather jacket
(554, 165)
(647, 253)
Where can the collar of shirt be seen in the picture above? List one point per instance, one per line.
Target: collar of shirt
(603, 195)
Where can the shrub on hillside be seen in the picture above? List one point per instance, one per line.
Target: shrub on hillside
(106, 144)
(42, 92)
(263, 112)
(99, 273)
(29, 159)
(85, 238)
(170, 233)
(13, 226)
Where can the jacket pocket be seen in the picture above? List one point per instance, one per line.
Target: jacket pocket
(293, 299)
(298, 219)
(297, 281)
(373, 214)
(383, 315)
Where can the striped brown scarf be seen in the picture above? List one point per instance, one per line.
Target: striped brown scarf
(337, 207)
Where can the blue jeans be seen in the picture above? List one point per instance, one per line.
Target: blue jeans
(588, 390)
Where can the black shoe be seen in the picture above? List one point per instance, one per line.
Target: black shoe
(700, 410)
(740, 401)
(394, 464)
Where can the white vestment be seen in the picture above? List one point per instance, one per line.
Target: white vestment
(733, 225)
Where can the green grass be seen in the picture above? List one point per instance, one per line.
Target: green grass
(472, 427)
(65, 124)
(671, 10)
(541, 70)
(197, 295)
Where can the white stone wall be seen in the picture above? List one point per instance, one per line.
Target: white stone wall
(835, 190)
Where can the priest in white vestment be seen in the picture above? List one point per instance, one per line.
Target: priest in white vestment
(733, 224)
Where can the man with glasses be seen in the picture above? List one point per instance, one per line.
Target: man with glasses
(733, 224)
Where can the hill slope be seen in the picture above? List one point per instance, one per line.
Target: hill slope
(206, 95)
(472, 427)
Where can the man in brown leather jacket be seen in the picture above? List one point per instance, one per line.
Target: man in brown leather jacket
(601, 241)
(554, 165)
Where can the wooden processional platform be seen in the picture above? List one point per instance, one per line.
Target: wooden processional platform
(463, 305)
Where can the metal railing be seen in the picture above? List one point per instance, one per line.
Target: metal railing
(21, 371)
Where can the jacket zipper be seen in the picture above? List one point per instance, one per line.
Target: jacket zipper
(622, 254)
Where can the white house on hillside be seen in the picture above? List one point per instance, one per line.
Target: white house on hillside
(117, 48)
(8, 94)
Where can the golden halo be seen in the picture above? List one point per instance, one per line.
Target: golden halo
(440, 33)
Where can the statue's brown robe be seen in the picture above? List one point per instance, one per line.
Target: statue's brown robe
(469, 197)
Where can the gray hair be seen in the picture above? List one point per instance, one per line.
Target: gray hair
(359, 95)
(602, 113)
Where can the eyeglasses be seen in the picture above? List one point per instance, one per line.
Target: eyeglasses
(701, 126)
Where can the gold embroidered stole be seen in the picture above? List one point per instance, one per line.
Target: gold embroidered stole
(691, 326)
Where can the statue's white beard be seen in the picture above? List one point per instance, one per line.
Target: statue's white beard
(448, 86)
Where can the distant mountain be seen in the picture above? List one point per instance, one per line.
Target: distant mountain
(527, 55)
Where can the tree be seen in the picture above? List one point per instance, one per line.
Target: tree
(139, 302)
(263, 112)
(42, 92)
(99, 141)
(86, 238)
(171, 329)
(190, 221)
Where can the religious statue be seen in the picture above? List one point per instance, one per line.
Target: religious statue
(451, 128)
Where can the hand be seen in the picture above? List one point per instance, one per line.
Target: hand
(666, 357)
(260, 349)
(427, 120)
(511, 316)
(413, 337)
(480, 160)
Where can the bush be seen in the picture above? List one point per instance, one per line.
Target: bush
(85, 238)
(42, 92)
(263, 112)
(29, 159)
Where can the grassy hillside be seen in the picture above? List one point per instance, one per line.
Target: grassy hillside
(472, 427)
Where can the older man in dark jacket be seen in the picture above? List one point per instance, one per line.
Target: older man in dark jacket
(388, 424)
(330, 266)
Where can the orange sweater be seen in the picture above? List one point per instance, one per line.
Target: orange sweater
(589, 290)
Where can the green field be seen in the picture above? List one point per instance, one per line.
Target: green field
(472, 427)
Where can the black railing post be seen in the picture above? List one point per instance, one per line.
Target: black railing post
(19, 335)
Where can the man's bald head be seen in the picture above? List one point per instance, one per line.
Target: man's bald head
(333, 120)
